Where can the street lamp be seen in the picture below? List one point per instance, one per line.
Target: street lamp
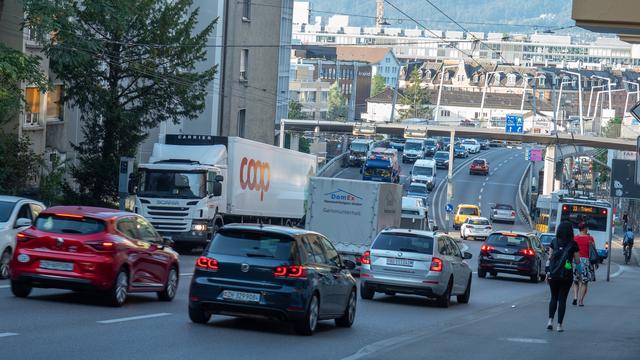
(608, 82)
(444, 67)
(562, 84)
(637, 85)
(598, 99)
(484, 92)
(524, 92)
(579, 97)
(590, 95)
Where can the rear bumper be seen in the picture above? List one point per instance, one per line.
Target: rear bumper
(58, 282)
(403, 287)
(503, 218)
(516, 268)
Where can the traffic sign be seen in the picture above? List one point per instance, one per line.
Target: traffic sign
(535, 154)
(449, 208)
(514, 124)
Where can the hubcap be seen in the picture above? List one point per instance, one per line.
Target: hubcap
(4, 265)
(313, 313)
(352, 307)
(172, 284)
(121, 288)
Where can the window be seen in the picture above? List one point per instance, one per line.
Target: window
(244, 65)
(511, 80)
(324, 96)
(67, 225)
(6, 208)
(145, 231)
(445, 113)
(387, 60)
(330, 252)
(253, 244)
(453, 248)
(35, 210)
(241, 122)
(541, 81)
(246, 10)
(32, 106)
(404, 242)
(54, 103)
(443, 247)
(127, 227)
(314, 251)
(24, 212)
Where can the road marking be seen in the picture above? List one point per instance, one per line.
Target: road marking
(5, 286)
(187, 274)
(7, 334)
(479, 197)
(619, 272)
(132, 318)
(481, 189)
(526, 340)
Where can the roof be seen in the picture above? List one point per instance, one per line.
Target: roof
(14, 199)
(424, 162)
(362, 141)
(468, 205)
(418, 184)
(371, 55)
(385, 97)
(409, 231)
(283, 230)
(94, 212)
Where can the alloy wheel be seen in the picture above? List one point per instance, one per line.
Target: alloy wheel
(122, 284)
(313, 313)
(5, 269)
(172, 283)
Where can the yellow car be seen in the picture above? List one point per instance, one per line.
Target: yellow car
(463, 211)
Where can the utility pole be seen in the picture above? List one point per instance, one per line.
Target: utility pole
(450, 173)
(395, 95)
(533, 119)
(354, 89)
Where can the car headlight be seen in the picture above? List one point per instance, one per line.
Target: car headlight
(199, 227)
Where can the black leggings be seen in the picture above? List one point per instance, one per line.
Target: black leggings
(559, 292)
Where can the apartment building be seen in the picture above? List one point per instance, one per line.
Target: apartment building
(311, 92)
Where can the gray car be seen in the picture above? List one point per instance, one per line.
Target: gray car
(503, 213)
(416, 262)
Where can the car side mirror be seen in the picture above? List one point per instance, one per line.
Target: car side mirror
(348, 264)
(216, 188)
(435, 228)
(168, 241)
(23, 222)
(467, 255)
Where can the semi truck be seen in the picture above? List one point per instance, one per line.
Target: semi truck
(194, 184)
(352, 212)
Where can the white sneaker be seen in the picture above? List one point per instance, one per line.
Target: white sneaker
(559, 328)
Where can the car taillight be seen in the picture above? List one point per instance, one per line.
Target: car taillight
(20, 237)
(527, 252)
(513, 213)
(366, 258)
(102, 245)
(495, 212)
(206, 263)
(486, 248)
(436, 265)
(293, 271)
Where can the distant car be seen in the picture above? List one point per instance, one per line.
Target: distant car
(472, 146)
(460, 152)
(546, 239)
(462, 212)
(476, 228)
(431, 146)
(397, 143)
(89, 248)
(446, 143)
(16, 214)
(503, 213)
(442, 159)
(496, 143)
(276, 272)
(484, 144)
(418, 190)
(512, 253)
(479, 166)
(416, 262)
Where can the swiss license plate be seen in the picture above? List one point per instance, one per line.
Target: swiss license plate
(56, 265)
(240, 296)
(400, 262)
(504, 257)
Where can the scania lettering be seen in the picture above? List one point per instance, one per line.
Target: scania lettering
(194, 184)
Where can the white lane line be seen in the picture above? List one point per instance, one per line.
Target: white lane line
(481, 189)
(619, 272)
(7, 334)
(5, 286)
(187, 274)
(526, 340)
(132, 318)
(480, 197)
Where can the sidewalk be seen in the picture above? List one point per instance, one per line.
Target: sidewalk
(607, 327)
(635, 252)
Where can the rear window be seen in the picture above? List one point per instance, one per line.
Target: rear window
(468, 211)
(479, 222)
(417, 189)
(504, 207)
(504, 240)
(69, 225)
(404, 242)
(252, 244)
(478, 162)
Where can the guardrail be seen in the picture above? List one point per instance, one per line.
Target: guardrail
(334, 166)
(521, 205)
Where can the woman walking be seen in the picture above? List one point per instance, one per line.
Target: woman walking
(563, 252)
(581, 281)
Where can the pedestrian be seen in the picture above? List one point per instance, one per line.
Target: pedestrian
(581, 281)
(559, 269)
(625, 221)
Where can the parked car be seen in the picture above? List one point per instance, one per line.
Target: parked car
(479, 166)
(462, 212)
(476, 228)
(512, 253)
(16, 214)
(418, 190)
(416, 262)
(460, 152)
(275, 272)
(472, 146)
(503, 213)
(442, 159)
(90, 248)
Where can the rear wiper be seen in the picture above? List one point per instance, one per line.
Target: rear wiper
(258, 255)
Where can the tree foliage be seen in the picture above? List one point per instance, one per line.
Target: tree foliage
(415, 99)
(337, 104)
(128, 66)
(613, 128)
(19, 166)
(377, 84)
(295, 110)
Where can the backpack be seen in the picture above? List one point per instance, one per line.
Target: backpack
(560, 267)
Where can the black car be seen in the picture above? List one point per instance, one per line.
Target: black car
(442, 159)
(512, 253)
(275, 272)
(430, 147)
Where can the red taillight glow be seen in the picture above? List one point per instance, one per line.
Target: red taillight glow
(486, 248)
(70, 216)
(436, 265)
(102, 245)
(565, 208)
(293, 271)
(206, 263)
(20, 237)
(527, 252)
(604, 211)
(366, 258)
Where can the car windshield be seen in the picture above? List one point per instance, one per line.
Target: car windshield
(6, 207)
(397, 141)
(252, 244)
(69, 225)
(412, 146)
(422, 171)
(417, 189)
(430, 142)
(469, 142)
(441, 155)
(595, 217)
(172, 184)
(503, 207)
(404, 242)
(507, 240)
(359, 147)
(468, 211)
(377, 172)
(479, 222)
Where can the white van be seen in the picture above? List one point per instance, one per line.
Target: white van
(424, 171)
(414, 214)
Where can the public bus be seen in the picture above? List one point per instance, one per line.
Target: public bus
(596, 214)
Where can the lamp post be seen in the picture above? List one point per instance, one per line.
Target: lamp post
(609, 85)
(579, 97)
(444, 67)
(560, 94)
(484, 92)
(590, 95)
(626, 102)
(598, 99)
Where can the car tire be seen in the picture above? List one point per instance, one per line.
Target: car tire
(20, 289)
(536, 276)
(5, 264)
(366, 293)
(171, 287)
(198, 315)
(464, 298)
(482, 274)
(494, 273)
(349, 316)
(118, 294)
(445, 299)
(307, 325)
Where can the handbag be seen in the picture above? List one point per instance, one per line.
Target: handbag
(593, 253)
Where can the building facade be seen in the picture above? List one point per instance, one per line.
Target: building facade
(311, 92)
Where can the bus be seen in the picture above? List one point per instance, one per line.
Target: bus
(596, 214)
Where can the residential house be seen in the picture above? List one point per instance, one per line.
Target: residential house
(311, 92)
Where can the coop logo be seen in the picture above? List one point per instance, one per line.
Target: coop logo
(341, 195)
(255, 175)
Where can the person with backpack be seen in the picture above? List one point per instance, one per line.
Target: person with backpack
(627, 240)
(563, 252)
(581, 281)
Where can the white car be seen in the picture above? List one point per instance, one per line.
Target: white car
(16, 214)
(472, 146)
(475, 227)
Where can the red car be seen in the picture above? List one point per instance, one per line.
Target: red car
(479, 166)
(89, 248)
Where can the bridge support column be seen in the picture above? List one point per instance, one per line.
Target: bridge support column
(294, 143)
(549, 170)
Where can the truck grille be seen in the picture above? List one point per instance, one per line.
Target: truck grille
(169, 218)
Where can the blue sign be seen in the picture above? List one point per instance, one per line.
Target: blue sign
(515, 124)
(449, 208)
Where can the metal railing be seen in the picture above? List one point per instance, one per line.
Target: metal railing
(524, 191)
(334, 166)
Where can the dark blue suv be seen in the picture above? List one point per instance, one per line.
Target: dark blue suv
(274, 272)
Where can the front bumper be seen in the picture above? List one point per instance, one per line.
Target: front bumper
(188, 237)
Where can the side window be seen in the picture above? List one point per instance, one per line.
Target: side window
(443, 248)
(36, 210)
(24, 212)
(145, 230)
(127, 227)
(315, 253)
(330, 252)
(455, 250)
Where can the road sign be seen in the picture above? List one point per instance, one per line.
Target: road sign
(514, 124)
(635, 111)
(449, 208)
(535, 154)
(623, 179)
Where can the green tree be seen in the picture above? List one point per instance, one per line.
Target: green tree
(295, 110)
(337, 104)
(128, 66)
(415, 99)
(52, 181)
(613, 128)
(19, 166)
(378, 84)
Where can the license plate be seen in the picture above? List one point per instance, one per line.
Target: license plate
(400, 262)
(504, 257)
(56, 265)
(240, 296)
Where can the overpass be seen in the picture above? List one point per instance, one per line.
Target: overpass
(397, 130)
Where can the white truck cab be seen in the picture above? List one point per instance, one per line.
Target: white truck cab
(424, 171)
